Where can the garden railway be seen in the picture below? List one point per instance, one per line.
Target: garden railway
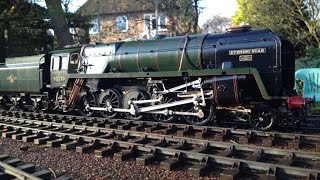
(199, 105)
(240, 78)
(236, 153)
(246, 74)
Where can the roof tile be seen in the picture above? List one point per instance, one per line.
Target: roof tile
(92, 7)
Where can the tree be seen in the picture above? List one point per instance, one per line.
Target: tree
(307, 11)
(60, 25)
(311, 60)
(21, 19)
(183, 15)
(216, 24)
(180, 14)
(297, 20)
(23, 30)
(243, 13)
(196, 15)
(3, 5)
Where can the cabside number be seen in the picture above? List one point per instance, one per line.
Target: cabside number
(59, 78)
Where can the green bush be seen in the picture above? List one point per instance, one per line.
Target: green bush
(311, 60)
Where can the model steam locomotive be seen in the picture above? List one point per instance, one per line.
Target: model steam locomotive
(243, 73)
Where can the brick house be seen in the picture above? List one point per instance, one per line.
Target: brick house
(115, 20)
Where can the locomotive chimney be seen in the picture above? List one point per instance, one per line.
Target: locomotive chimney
(237, 29)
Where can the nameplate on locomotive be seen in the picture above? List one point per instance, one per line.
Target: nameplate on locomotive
(247, 51)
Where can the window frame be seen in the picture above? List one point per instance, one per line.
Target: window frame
(76, 61)
(95, 29)
(59, 62)
(126, 23)
(148, 25)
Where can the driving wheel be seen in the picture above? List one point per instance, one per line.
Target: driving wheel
(208, 110)
(167, 98)
(262, 118)
(84, 99)
(112, 97)
(133, 95)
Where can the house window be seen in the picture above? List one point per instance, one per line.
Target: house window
(122, 23)
(150, 22)
(95, 26)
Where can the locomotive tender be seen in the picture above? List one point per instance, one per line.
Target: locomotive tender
(243, 74)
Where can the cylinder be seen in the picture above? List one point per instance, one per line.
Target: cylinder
(226, 89)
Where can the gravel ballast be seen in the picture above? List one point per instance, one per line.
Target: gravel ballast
(86, 166)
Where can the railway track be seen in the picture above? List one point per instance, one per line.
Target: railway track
(311, 125)
(240, 136)
(204, 150)
(12, 168)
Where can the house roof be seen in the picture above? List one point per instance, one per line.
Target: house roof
(92, 7)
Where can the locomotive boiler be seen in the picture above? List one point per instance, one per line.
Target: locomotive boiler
(243, 73)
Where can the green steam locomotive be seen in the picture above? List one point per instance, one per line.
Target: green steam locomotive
(243, 74)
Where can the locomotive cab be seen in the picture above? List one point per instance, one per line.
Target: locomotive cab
(59, 68)
(62, 64)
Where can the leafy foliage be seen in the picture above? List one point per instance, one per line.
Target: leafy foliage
(311, 60)
(76, 22)
(181, 15)
(296, 20)
(216, 24)
(23, 28)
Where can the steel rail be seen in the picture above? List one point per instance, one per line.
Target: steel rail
(208, 129)
(218, 144)
(18, 170)
(167, 151)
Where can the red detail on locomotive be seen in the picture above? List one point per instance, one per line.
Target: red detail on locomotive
(296, 102)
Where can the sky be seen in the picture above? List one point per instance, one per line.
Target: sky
(225, 8)
(210, 8)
